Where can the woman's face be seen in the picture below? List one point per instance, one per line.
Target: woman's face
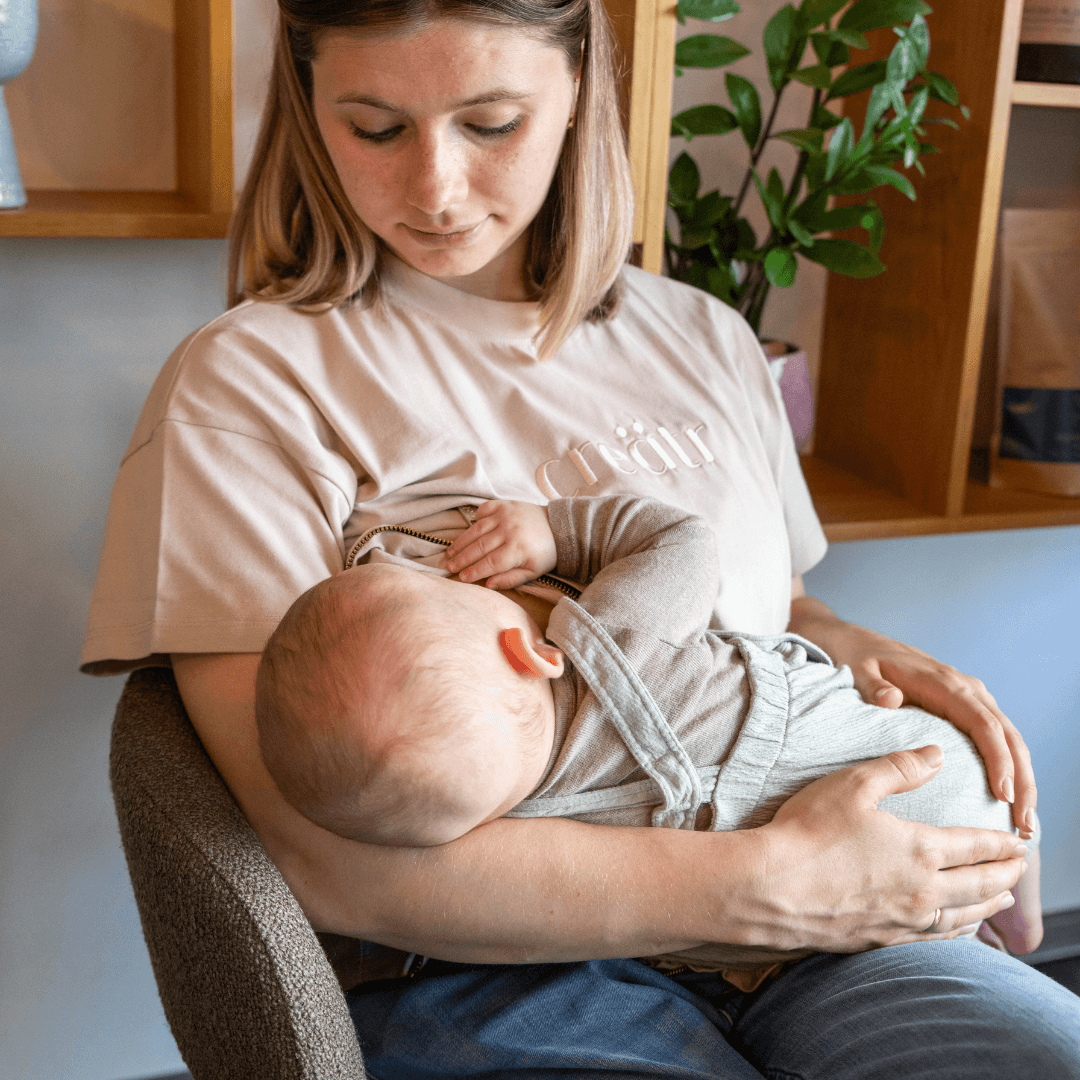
(446, 142)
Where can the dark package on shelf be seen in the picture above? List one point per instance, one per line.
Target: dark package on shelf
(1037, 444)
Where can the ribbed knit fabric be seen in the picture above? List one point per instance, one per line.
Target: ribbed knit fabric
(247, 990)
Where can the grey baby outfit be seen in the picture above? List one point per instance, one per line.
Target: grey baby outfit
(663, 720)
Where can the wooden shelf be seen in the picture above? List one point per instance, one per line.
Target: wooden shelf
(852, 508)
(113, 213)
(1060, 95)
(202, 202)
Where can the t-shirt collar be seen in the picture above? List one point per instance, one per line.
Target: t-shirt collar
(491, 319)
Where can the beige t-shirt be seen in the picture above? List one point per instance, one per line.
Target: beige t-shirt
(272, 439)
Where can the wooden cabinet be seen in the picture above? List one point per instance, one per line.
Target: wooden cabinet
(901, 353)
(202, 200)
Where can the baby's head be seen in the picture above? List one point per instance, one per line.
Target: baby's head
(398, 707)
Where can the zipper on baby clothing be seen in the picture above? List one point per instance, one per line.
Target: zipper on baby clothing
(544, 579)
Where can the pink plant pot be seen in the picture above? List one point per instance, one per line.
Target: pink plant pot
(789, 368)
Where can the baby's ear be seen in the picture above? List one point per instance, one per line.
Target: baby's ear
(537, 658)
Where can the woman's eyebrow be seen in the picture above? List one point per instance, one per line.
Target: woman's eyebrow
(481, 99)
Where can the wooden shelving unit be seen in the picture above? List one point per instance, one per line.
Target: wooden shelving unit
(902, 352)
(201, 205)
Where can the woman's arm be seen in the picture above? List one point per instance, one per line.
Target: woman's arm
(889, 673)
(832, 872)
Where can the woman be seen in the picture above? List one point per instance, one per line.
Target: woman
(433, 233)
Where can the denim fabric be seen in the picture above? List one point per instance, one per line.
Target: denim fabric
(952, 1010)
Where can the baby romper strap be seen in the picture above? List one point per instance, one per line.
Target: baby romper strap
(631, 708)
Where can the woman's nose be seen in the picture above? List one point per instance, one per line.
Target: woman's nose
(437, 177)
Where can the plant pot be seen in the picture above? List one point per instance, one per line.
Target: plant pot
(788, 366)
(18, 33)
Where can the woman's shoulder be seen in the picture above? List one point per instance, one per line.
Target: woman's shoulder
(256, 358)
(684, 313)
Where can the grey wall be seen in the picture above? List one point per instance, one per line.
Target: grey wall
(84, 327)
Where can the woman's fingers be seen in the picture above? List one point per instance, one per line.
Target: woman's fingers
(966, 703)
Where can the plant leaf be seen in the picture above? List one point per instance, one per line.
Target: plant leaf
(942, 89)
(703, 120)
(866, 15)
(819, 76)
(917, 105)
(684, 179)
(720, 281)
(875, 109)
(851, 37)
(780, 267)
(706, 10)
(803, 235)
(841, 143)
(780, 40)
(709, 210)
(872, 176)
(825, 119)
(811, 140)
(774, 206)
(815, 12)
(918, 36)
(858, 78)
(845, 257)
(747, 106)
(708, 51)
(829, 50)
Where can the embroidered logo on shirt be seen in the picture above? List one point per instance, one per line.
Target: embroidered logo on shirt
(651, 452)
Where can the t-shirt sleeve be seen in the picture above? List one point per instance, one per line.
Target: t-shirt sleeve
(230, 502)
(805, 535)
(211, 536)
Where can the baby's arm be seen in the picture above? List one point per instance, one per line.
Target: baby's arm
(509, 543)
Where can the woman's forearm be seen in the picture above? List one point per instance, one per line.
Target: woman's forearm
(510, 892)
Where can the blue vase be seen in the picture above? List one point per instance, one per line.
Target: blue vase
(18, 32)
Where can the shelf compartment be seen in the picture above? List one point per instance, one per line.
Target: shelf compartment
(202, 203)
(113, 213)
(852, 508)
(1059, 95)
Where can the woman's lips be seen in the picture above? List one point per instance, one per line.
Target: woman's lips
(456, 238)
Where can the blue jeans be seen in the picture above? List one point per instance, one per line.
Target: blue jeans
(952, 1010)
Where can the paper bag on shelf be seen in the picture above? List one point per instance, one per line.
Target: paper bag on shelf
(1037, 444)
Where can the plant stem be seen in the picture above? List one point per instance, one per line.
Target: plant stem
(757, 151)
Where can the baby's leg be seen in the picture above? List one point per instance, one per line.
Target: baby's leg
(830, 727)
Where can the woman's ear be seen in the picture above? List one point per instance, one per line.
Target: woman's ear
(537, 658)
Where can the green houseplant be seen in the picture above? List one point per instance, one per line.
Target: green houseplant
(717, 248)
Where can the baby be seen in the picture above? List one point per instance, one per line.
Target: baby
(406, 708)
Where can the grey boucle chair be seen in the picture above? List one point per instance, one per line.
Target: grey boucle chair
(247, 989)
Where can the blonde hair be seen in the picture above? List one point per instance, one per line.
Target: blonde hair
(296, 239)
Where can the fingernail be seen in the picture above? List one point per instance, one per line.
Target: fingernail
(1020, 849)
(1029, 819)
(882, 692)
(1007, 789)
(1007, 902)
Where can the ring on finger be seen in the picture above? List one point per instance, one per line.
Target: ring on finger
(932, 928)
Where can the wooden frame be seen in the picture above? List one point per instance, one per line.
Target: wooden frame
(201, 205)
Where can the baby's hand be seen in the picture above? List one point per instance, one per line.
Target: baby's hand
(509, 543)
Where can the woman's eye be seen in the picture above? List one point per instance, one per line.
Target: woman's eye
(376, 136)
(495, 132)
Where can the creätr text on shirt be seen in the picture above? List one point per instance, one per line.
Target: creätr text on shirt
(654, 452)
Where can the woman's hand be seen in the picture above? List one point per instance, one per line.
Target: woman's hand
(509, 543)
(850, 877)
(890, 674)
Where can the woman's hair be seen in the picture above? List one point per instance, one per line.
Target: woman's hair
(296, 239)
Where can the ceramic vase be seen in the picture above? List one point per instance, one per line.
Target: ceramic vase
(18, 32)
